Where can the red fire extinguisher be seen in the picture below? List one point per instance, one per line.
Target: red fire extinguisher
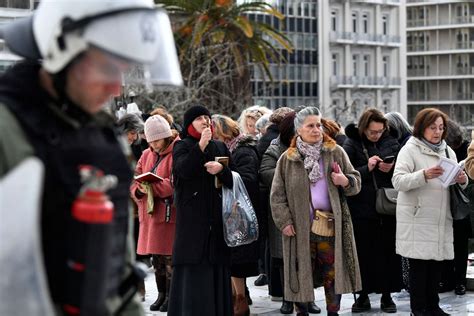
(90, 234)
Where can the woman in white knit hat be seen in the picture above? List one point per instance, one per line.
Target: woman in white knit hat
(156, 210)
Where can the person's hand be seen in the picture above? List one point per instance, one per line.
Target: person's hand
(385, 167)
(141, 188)
(433, 172)
(213, 167)
(339, 179)
(373, 161)
(461, 177)
(206, 136)
(289, 231)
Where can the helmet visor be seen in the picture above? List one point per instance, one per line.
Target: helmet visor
(145, 40)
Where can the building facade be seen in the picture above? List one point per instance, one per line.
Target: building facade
(349, 55)
(10, 10)
(295, 82)
(440, 58)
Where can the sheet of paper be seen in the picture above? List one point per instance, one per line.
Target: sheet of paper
(451, 169)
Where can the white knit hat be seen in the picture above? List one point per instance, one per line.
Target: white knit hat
(156, 128)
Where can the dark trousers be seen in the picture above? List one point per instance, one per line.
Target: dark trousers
(275, 287)
(454, 271)
(424, 279)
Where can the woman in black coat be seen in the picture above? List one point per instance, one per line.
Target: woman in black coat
(243, 149)
(380, 267)
(201, 259)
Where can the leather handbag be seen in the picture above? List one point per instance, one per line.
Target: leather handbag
(323, 224)
(386, 201)
(458, 200)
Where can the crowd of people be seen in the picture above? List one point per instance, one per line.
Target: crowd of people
(300, 156)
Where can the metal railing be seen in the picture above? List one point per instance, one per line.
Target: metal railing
(357, 81)
(365, 37)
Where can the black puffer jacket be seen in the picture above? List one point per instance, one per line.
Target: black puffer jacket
(247, 163)
(362, 205)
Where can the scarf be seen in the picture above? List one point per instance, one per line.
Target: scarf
(233, 143)
(434, 147)
(311, 155)
(194, 133)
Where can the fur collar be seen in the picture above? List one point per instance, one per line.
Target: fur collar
(247, 140)
(293, 154)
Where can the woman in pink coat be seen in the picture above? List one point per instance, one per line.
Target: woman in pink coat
(156, 211)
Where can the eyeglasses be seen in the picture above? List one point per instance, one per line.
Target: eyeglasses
(375, 133)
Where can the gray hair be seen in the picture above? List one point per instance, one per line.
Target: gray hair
(398, 123)
(262, 122)
(303, 114)
(130, 123)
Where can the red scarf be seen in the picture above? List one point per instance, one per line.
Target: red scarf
(194, 133)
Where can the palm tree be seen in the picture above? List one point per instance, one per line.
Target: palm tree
(218, 46)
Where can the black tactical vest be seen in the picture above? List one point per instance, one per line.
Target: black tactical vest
(64, 140)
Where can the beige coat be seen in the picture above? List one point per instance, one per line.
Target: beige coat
(469, 166)
(424, 221)
(290, 205)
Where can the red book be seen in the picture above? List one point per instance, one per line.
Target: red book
(148, 177)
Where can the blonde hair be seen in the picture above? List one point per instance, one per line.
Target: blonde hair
(161, 111)
(225, 127)
(255, 112)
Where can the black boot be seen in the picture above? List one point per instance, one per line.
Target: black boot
(313, 308)
(286, 307)
(362, 304)
(161, 285)
(164, 306)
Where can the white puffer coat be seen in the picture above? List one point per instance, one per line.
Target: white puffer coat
(424, 221)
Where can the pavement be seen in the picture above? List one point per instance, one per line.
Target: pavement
(263, 305)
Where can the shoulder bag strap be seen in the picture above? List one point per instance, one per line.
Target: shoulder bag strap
(367, 155)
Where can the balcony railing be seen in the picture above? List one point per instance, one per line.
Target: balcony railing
(420, 97)
(433, 22)
(392, 2)
(358, 81)
(426, 47)
(455, 71)
(379, 39)
(465, 45)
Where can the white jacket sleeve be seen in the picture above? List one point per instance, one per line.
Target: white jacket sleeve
(405, 177)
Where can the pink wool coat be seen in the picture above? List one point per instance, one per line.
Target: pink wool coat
(156, 236)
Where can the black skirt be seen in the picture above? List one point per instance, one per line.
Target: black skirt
(202, 289)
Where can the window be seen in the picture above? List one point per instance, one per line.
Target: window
(384, 25)
(333, 21)
(385, 66)
(16, 4)
(366, 65)
(354, 22)
(365, 23)
(334, 64)
(355, 61)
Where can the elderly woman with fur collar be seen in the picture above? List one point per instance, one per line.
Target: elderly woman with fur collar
(305, 173)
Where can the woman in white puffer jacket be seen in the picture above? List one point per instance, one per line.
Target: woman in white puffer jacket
(424, 222)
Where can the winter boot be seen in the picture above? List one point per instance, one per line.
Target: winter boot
(164, 306)
(161, 285)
